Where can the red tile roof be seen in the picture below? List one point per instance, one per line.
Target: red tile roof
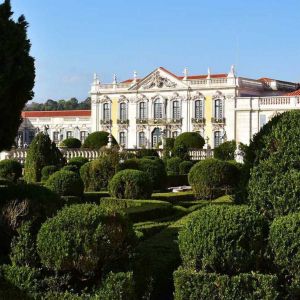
(56, 113)
(295, 93)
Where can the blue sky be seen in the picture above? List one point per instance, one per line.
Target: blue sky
(72, 39)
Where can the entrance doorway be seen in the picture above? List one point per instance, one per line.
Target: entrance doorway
(156, 137)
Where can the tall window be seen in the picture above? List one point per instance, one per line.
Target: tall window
(174, 134)
(122, 138)
(142, 110)
(83, 135)
(123, 115)
(176, 110)
(262, 120)
(217, 138)
(218, 109)
(198, 109)
(106, 115)
(158, 109)
(142, 139)
(55, 136)
(69, 134)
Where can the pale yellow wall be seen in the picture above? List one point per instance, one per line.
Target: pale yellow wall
(208, 115)
(114, 117)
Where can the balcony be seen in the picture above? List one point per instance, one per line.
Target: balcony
(198, 121)
(157, 122)
(175, 121)
(141, 121)
(105, 122)
(218, 120)
(123, 122)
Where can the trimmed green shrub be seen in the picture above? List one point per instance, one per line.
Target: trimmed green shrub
(273, 189)
(177, 180)
(71, 168)
(84, 238)
(78, 161)
(182, 151)
(65, 183)
(169, 144)
(130, 184)
(71, 143)
(200, 285)
(185, 167)
(225, 151)
(42, 152)
(97, 140)
(10, 169)
(117, 286)
(85, 176)
(285, 242)
(172, 165)
(132, 163)
(190, 140)
(146, 152)
(224, 239)
(47, 171)
(212, 178)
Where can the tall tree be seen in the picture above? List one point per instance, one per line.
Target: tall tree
(17, 73)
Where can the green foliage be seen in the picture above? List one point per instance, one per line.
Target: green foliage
(285, 243)
(130, 184)
(132, 163)
(97, 140)
(71, 168)
(17, 73)
(71, 143)
(78, 161)
(65, 183)
(190, 140)
(169, 144)
(245, 286)
(85, 176)
(225, 151)
(10, 169)
(146, 152)
(172, 165)
(181, 150)
(47, 171)
(84, 238)
(212, 178)
(185, 167)
(42, 152)
(177, 180)
(117, 286)
(224, 239)
(174, 197)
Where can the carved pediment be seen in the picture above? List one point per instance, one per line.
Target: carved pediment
(158, 81)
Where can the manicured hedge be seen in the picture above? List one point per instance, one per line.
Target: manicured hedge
(190, 284)
(65, 183)
(172, 165)
(84, 238)
(225, 151)
(146, 152)
(174, 197)
(78, 161)
(71, 143)
(97, 140)
(130, 184)
(72, 168)
(190, 140)
(47, 171)
(224, 239)
(10, 169)
(212, 178)
(185, 167)
(177, 180)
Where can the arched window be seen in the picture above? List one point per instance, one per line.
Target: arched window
(142, 140)
(218, 109)
(158, 109)
(106, 114)
(123, 115)
(122, 138)
(176, 110)
(142, 111)
(199, 109)
(217, 138)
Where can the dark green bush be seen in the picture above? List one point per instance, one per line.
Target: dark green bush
(245, 286)
(182, 151)
(285, 242)
(185, 167)
(78, 161)
(71, 143)
(10, 169)
(225, 151)
(169, 144)
(224, 239)
(190, 140)
(212, 178)
(85, 176)
(65, 183)
(146, 152)
(47, 171)
(71, 168)
(84, 238)
(172, 166)
(42, 152)
(130, 184)
(97, 140)
(132, 163)
(177, 180)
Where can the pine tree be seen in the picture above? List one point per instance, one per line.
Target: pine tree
(17, 73)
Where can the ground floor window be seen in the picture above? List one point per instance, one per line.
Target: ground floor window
(217, 138)
(174, 134)
(142, 139)
(122, 138)
(69, 134)
(83, 135)
(55, 136)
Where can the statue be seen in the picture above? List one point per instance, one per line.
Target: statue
(239, 154)
(46, 128)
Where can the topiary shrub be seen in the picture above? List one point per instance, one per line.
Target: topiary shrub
(185, 167)
(172, 165)
(146, 152)
(285, 242)
(70, 143)
(182, 151)
(85, 176)
(225, 151)
(97, 140)
(130, 184)
(211, 178)
(47, 171)
(42, 152)
(10, 169)
(65, 183)
(132, 163)
(78, 161)
(84, 238)
(190, 140)
(224, 239)
(71, 168)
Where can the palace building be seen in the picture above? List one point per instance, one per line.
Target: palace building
(139, 112)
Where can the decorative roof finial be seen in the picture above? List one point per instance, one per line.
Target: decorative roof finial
(95, 79)
(208, 73)
(185, 73)
(134, 77)
(115, 79)
(232, 71)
